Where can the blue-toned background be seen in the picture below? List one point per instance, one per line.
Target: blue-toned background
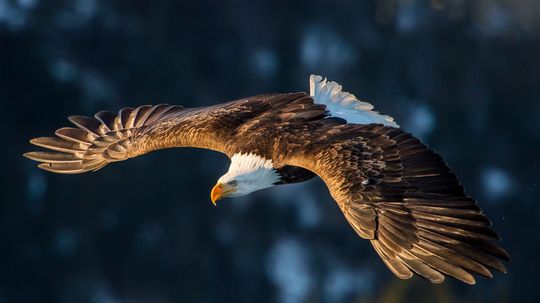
(462, 75)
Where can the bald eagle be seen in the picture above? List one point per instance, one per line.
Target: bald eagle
(392, 189)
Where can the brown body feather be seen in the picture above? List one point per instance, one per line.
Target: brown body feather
(392, 189)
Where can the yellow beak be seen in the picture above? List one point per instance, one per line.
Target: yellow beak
(220, 191)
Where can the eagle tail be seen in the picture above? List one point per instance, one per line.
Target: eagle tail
(345, 105)
(95, 142)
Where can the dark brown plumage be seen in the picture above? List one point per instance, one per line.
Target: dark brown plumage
(392, 189)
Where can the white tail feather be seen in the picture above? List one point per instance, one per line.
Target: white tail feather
(345, 105)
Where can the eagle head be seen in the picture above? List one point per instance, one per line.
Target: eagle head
(247, 173)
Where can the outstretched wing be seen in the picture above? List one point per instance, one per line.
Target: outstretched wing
(400, 195)
(109, 137)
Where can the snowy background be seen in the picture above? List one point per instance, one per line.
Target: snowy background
(462, 75)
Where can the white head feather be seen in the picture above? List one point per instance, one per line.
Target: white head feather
(251, 172)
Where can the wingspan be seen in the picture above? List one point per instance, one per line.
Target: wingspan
(400, 195)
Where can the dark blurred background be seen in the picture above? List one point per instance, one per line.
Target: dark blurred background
(462, 75)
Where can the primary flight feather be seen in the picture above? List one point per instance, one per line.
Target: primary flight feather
(392, 189)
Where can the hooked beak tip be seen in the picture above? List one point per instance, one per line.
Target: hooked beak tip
(216, 193)
(219, 191)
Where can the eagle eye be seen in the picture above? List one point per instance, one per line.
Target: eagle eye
(233, 183)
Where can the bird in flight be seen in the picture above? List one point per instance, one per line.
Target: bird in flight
(392, 189)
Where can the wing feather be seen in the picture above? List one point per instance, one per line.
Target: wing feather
(421, 219)
(74, 135)
(106, 120)
(109, 137)
(87, 124)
